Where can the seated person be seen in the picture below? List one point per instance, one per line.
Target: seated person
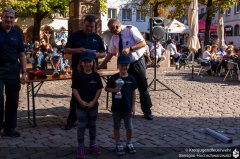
(57, 59)
(171, 47)
(147, 56)
(223, 49)
(38, 59)
(206, 57)
(215, 58)
(47, 56)
(33, 59)
(158, 54)
(222, 62)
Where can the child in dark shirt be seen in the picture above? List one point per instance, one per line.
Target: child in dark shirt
(86, 88)
(123, 103)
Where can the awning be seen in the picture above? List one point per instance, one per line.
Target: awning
(176, 27)
(201, 25)
(59, 24)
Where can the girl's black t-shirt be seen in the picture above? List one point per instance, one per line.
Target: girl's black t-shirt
(87, 86)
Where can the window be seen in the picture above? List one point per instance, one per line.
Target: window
(126, 14)
(140, 16)
(228, 11)
(229, 30)
(202, 10)
(236, 30)
(237, 8)
(112, 13)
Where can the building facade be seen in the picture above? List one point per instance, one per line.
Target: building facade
(232, 23)
(127, 14)
(231, 19)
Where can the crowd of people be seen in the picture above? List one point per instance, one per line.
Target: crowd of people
(217, 58)
(159, 54)
(42, 53)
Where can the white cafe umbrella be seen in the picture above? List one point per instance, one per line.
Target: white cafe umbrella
(193, 41)
(220, 30)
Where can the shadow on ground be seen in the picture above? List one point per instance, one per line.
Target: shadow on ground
(153, 139)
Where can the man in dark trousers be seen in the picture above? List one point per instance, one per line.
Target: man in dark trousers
(11, 53)
(129, 41)
(77, 43)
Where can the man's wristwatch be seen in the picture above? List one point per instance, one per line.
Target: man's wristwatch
(131, 49)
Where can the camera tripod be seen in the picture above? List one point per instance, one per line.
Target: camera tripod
(155, 80)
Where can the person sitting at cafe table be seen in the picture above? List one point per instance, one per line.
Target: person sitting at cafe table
(222, 63)
(215, 58)
(206, 57)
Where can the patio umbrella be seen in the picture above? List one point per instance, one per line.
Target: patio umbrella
(193, 41)
(220, 30)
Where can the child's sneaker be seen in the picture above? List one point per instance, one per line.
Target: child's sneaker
(130, 148)
(120, 150)
(95, 149)
(80, 153)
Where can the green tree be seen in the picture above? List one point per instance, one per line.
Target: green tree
(213, 6)
(40, 9)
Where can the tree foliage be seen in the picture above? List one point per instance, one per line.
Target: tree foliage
(39, 9)
(103, 6)
(181, 8)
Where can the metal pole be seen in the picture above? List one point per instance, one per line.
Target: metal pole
(218, 135)
(192, 64)
(155, 65)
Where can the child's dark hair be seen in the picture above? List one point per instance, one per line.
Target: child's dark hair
(89, 18)
(80, 68)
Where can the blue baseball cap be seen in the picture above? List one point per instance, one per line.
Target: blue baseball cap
(88, 55)
(124, 60)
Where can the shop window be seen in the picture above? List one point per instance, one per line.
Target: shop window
(229, 30)
(126, 15)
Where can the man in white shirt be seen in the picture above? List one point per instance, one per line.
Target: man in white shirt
(159, 53)
(173, 52)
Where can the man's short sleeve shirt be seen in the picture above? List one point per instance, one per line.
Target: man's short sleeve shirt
(79, 39)
(11, 45)
(130, 36)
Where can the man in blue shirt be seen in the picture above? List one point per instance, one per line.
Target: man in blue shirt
(11, 53)
(77, 43)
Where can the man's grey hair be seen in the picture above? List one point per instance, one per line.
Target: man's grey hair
(114, 22)
(8, 10)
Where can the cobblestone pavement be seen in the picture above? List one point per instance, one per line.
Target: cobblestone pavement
(178, 123)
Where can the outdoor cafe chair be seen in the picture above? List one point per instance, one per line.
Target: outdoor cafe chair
(205, 65)
(232, 67)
